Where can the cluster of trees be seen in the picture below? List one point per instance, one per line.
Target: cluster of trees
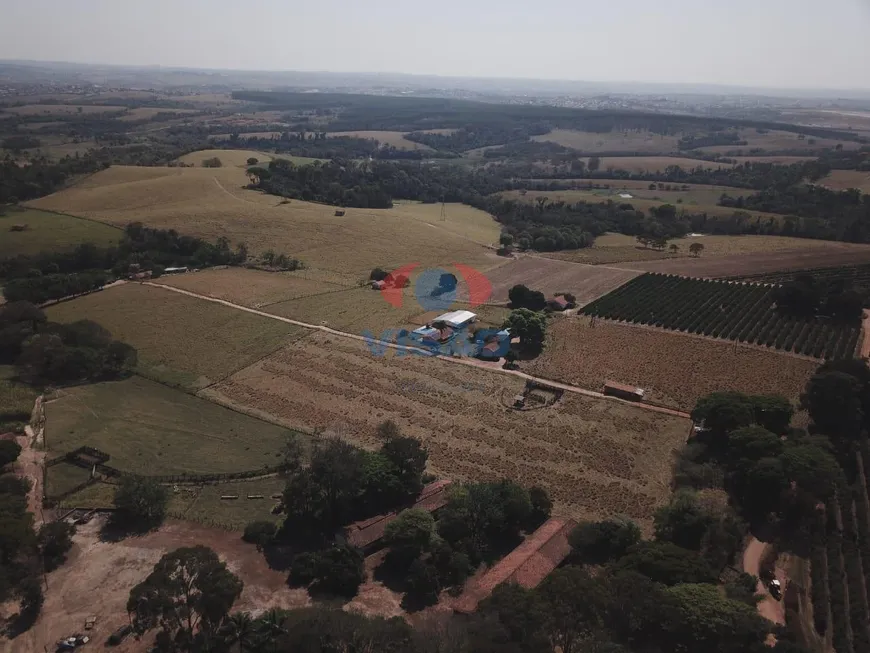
(25, 554)
(374, 184)
(824, 213)
(530, 327)
(341, 484)
(808, 296)
(46, 352)
(470, 138)
(40, 288)
(312, 145)
(20, 142)
(521, 296)
(52, 275)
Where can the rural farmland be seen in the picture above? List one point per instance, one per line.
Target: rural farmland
(675, 369)
(728, 310)
(592, 455)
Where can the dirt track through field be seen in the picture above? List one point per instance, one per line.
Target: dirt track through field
(769, 607)
(459, 361)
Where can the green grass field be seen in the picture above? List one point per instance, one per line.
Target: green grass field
(181, 340)
(148, 428)
(63, 477)
(50, 232)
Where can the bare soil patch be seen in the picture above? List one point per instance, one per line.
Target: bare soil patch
(595, 457)
(674, 369)
(98, 576)
(549, 276)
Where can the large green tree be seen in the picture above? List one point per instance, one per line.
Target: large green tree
(529, 326)
(187, 596)
(140, 503)
(596, 543)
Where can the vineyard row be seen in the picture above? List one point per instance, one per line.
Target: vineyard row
(858, 274)
(732, 311)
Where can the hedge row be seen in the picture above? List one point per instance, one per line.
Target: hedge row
(821, 597)
(854, 569)
(841, 626)
(732, 311)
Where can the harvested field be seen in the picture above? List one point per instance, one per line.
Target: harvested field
(253, 288)
(51, 232)
(356, 310)
(595, 457)
(396, 139)
(674, 369)
(63, 109)
(211, 202)
(619, 248)
(550, 276)
(846, 179)
(819, 255)
(615, 141)
(98, 576)
(148, 428)
(238, 158)
(181, 340)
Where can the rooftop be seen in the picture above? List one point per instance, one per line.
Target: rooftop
(527, 565)
(455, 318)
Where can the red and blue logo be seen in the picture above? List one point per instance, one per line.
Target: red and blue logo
(437, 289)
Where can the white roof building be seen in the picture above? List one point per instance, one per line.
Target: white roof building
(456, 319)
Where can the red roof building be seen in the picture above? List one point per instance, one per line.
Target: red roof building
(366, 534)
(527, 565)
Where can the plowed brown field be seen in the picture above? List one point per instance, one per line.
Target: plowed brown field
(595, 457)
(674, 369)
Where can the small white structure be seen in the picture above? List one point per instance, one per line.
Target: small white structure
(626, 196)
(456, 319)
(178, 270)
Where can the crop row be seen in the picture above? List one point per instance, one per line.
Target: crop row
(859, 274)
(731, 311)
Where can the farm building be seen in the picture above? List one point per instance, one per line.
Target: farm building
(527, 565)
(178, 270)
(623, 391)
(456, 319)
(378, 285)
(557, 303)
(496, 345)
(433, 335)
(367, 534)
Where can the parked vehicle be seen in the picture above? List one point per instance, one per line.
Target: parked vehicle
(775, 588)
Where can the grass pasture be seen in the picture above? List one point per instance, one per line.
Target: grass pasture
(395, 139)
(619, 248)
(181, 340)
(595, 457)
(148, 428)
(641, 164)
(846, 179)
(212, 202)
(674, 369)
(253, 288)
(204, 504)
(614, 141)
(237, 158)
(147, 113)
(51, 232)
(775, 140)
(780, 160)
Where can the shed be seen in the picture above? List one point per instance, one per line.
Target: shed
(456, 319)
(527, 565)
(175, 270)
(623, 391)
(558, 303)
(339, 213)
(367, 534)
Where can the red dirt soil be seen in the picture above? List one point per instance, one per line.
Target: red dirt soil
(97, 578)
(769, 608)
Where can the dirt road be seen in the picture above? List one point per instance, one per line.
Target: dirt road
(472, 362)
(769, 608)
(865, 336)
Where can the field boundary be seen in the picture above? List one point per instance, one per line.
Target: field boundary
(460, 361)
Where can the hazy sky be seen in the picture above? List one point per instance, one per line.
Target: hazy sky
(777, 43)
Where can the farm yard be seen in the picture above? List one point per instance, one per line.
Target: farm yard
(212, 202)
(148, 428)
(29, 232)
(595, 457)
(675, 369)
(550, 276)
(178, 337)
(726, 310)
